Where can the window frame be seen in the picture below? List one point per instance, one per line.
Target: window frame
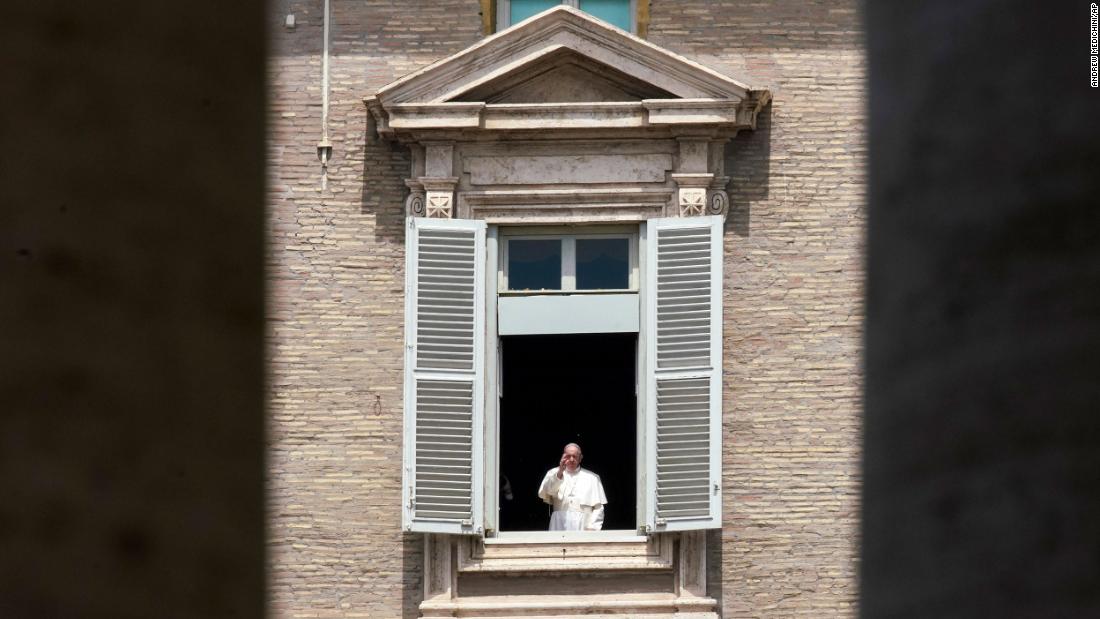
(504, 10)
(568, 239)
(486, 374)
(496, 240)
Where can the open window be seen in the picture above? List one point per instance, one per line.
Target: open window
(557, 389)
(567, 316)
(641, 362)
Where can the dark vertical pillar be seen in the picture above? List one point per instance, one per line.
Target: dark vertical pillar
(983, 327)
(131, 309)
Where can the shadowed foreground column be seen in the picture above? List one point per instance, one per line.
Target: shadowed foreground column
(983, 329)
(131, 256)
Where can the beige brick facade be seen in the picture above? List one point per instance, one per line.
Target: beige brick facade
(793, 284)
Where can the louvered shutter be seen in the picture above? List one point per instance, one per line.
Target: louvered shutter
(444, 360)
(683, 399)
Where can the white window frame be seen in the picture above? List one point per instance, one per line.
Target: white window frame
(568, 258)
(504, 13)
(486, 376)
(496, 258)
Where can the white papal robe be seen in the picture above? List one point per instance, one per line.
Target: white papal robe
(577, 498)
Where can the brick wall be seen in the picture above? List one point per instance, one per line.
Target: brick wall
(793, 301)
(793, 309)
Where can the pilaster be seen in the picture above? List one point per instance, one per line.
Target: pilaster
(693, 175)
(439, 179)
(440, 577)
(691, 573)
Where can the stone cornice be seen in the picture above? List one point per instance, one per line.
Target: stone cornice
(728, 113)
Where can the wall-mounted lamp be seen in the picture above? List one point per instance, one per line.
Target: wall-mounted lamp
(290, 23)
(324, 151)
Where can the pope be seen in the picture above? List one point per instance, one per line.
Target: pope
(576, 494)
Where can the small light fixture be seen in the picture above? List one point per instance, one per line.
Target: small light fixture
(290, 23)
(324, 151)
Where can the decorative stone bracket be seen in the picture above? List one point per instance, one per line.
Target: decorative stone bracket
(692, 193)
(718, 202)
(414, 204)
(700, 179)
(439, 194)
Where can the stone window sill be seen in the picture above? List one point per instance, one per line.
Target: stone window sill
(538, 551)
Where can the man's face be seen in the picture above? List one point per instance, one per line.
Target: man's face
(572, 457)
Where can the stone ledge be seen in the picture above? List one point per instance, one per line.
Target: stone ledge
(654, 553)
(653, 606)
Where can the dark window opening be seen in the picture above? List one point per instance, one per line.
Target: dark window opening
(534, 264)
(558, 389)
(603, 264)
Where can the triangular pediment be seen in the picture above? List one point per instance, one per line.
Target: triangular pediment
(559, 70)
(530, 45)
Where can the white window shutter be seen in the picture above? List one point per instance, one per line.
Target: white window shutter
(444, 375)
(683, 400)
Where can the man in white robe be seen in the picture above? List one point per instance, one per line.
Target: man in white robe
(575, 493)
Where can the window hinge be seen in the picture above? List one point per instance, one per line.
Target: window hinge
(467, 523)
(715, 488)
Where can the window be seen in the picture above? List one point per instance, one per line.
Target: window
(452, 422)
(534, 264)
(574, 263)
(619, 13)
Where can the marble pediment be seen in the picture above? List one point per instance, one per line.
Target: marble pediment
(562, 70)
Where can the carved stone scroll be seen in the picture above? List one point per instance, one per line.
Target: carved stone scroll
(718, 201)
(415, 203)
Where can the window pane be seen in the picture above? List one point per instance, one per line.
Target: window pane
(615, 12)
(534, 265)
(603, 264)
(522, 9)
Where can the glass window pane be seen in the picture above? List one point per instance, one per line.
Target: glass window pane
(534, 264)
(603, 264)
(522, 9)
(615, 12)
